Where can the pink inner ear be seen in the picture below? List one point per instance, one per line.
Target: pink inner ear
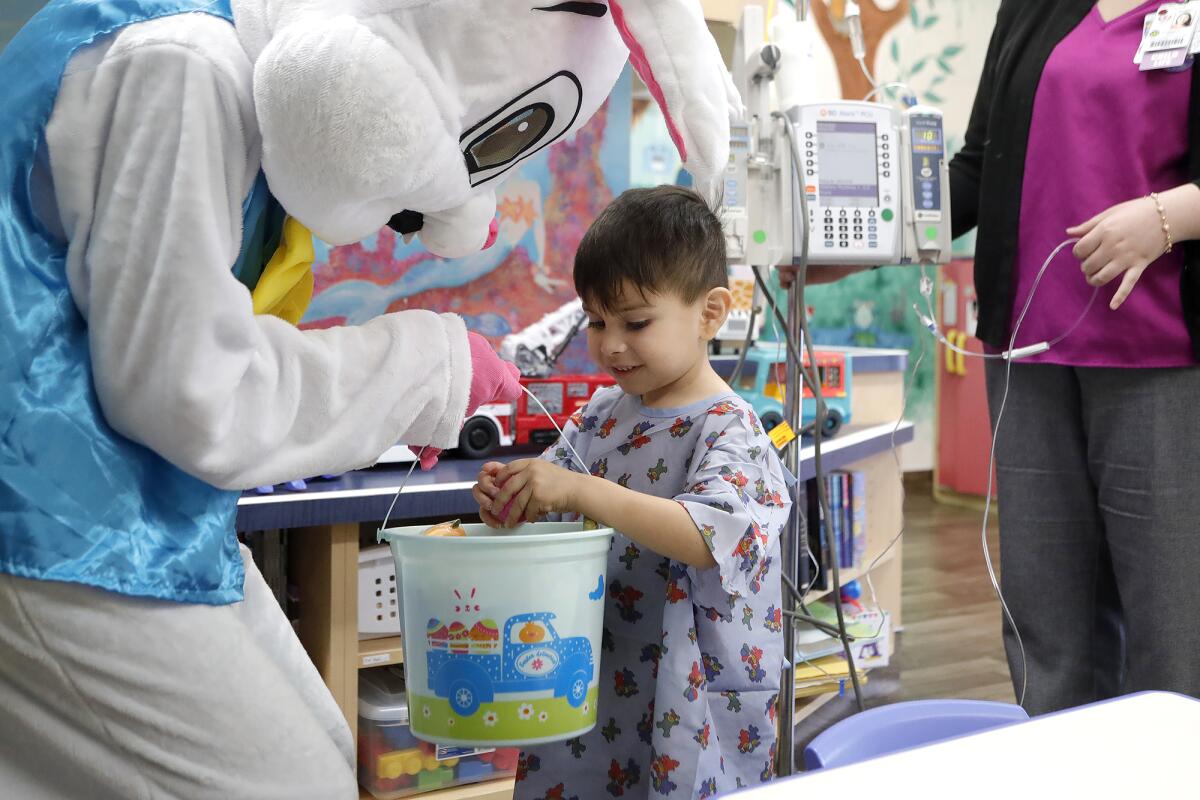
(637, 57)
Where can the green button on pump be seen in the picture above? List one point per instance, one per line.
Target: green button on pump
(887, 215)
(931, 233)
(760, 237)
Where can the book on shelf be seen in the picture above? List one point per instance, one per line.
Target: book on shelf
(846, 527)
(858, 518)
(868, 627)
(828, 671)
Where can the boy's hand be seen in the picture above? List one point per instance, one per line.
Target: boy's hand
(485, 492)
(534, 487)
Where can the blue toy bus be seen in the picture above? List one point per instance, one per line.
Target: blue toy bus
(763, 379)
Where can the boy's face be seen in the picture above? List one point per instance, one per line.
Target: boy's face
(648, 342)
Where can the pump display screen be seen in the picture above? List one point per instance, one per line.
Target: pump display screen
(848, 164)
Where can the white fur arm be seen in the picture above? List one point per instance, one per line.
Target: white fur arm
(153, 146)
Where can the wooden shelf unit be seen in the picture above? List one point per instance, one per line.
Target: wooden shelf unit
(380, 652)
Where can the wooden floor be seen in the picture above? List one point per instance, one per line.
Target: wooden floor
(950, 645)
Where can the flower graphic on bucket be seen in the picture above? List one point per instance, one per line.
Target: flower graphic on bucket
(490, 719)
(525, 711)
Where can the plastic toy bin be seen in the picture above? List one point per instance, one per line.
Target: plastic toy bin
(502, 631)
(394, 763)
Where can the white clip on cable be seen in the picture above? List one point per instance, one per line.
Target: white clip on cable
(1014, 354)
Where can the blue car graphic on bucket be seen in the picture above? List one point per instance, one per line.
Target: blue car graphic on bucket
(470, 666)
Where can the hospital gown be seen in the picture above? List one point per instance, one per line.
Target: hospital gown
(690, 662)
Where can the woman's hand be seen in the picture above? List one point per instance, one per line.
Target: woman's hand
(1121, 241)
(525, 490)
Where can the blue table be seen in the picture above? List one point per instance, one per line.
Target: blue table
(364, 496)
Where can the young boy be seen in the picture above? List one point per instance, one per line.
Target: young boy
(680, 466)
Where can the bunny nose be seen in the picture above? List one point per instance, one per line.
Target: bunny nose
(407, 222)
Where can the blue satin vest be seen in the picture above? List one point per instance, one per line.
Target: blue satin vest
(78, 501)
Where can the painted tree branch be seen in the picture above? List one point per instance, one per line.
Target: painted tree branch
(875, 22)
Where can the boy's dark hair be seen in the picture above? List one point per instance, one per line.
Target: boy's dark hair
(664, 239)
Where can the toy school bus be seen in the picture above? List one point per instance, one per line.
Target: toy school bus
(762, 384)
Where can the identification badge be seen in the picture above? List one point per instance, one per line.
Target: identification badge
(1164, 59)
(1168, 36)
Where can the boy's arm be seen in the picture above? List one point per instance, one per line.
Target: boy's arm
(532, 488)
(660, 524)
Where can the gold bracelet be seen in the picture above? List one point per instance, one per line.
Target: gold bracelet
(1162, 215)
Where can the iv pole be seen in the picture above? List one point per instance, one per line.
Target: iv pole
(794, 544)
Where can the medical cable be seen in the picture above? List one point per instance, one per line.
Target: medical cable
(736, 375)
(912, 376)
(403, 483)
(909, 95)
(929, 321)
(1013, 353)
(987, 505)
(858, 44)
(561, 435)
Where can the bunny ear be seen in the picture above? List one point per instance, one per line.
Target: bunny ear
(674, 54)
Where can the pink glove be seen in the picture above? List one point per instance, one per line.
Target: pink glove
(428, 455)
(493, 380)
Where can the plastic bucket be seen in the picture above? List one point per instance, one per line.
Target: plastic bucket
(501, 631)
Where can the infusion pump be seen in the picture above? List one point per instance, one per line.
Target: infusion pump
(875, 179)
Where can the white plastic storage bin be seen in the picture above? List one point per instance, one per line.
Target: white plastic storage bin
(393, 763)
(378, 601)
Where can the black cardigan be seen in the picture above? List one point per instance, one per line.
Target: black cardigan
(986, 175)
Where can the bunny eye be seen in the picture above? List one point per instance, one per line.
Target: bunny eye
(510, 138)
(522, 127)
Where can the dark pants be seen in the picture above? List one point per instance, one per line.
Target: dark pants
(1099, 478)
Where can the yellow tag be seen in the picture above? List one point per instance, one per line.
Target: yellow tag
(781, 434)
